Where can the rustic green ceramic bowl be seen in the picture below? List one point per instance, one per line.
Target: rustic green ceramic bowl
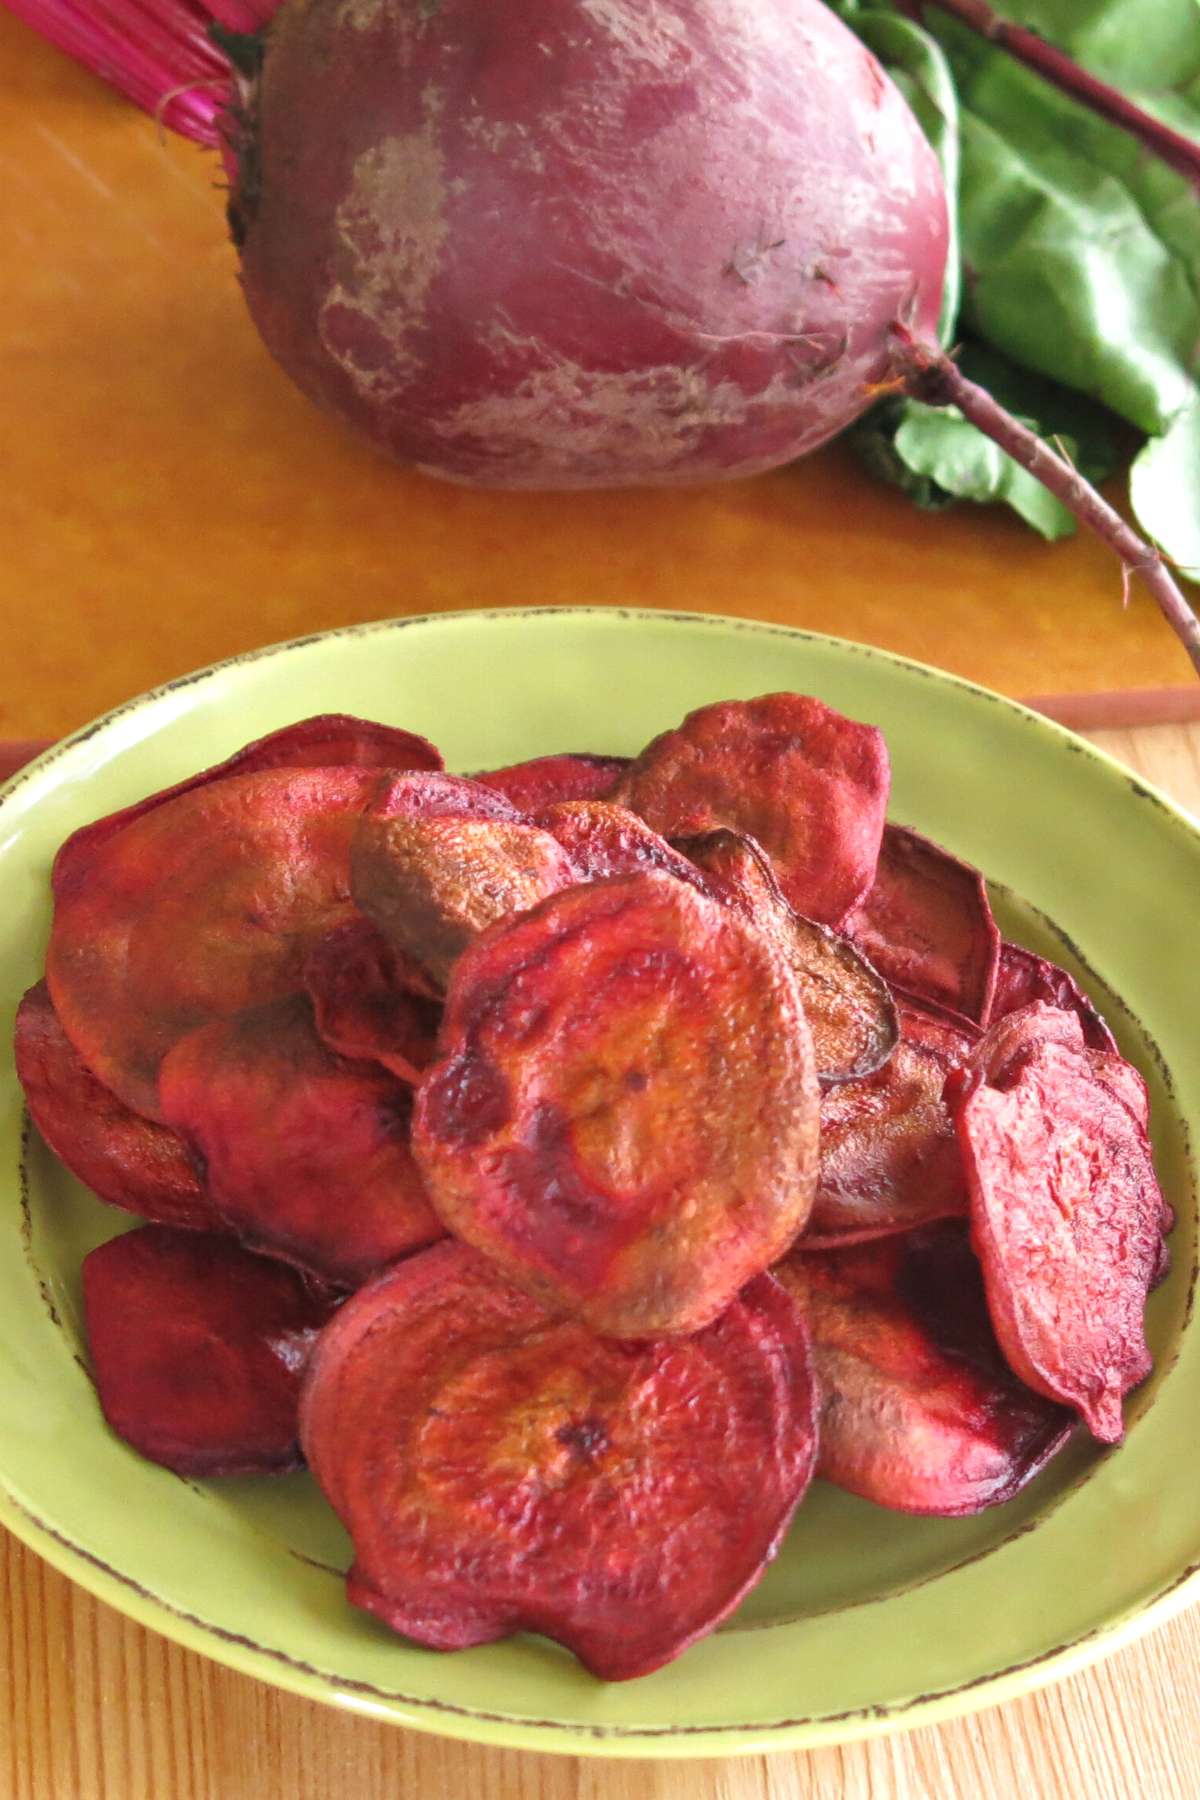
(867, 1620)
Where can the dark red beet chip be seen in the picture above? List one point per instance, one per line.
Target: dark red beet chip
(126, 1160)
(572, 775)
(433, 796)
(363, 1000)
(920, 1411)
(1023, 978)
(603, 840)
(927, 926)
(501, 1470)
(198, 1349)
(306, 1153)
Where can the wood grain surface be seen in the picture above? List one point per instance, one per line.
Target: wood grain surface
(95, 1707)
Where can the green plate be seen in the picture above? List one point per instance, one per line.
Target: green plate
(867, 1620)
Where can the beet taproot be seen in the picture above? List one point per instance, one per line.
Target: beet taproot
(306, 1153)
(198, 1348)
(363, 999)
(500, 1469)
(623, 1115)
(545, 780)
(920, 1412)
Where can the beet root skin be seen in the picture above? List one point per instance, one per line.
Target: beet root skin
(616, 245)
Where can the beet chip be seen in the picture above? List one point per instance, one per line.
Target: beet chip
(546, 780)
(603, 840)
(431, 885)
(927, 926)
(848, 1005)
(124, 1159)
(1066, 1218)
(502, 1470)
(624, 1115)
(363, 1001)
(330, 740)
(199, 908)
(198, 1349)
(808, 784)
(1024, 978)
(306, 1153)
(419, 796)
(920, 1411)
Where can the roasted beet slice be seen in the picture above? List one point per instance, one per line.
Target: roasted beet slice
(363, 1000)
(431, 885)
(920, 1412)
(198, 1349)
(849, 1006)
(926, 924)
(624, 1115)
(126, 1160)
(572, 775)
(889, 1157)
(1023, 978)
(306, 1153)
(200, 907)
(603, 840)
(330, 740)
(501, 1470)
(808, 784)
(1066, 1218)
(421, 796)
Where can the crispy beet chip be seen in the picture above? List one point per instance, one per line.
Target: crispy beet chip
(330, 740)
(197, 909)
(624, 1116)
(545, 780)
(920, 1411)
(927, 926)
(808, 784)
(502, 1470)
(1023, 978)
(126, 1160)
(603, 840)
(198, 1349)
(363, 1002)
(306, 1153)
(1066, 1218)
(420, 796)
(889, 1157)
(1015, 1035)
(431, 885)
(849, 1006)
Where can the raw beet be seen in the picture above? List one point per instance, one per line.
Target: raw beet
(306, 1154)
(607, 244)
(810, 786)
(624, 1113)
(920, 1412)
(1023, 978)
(363, 1000)
(501, 1470)
(198, 1349)
(603, 840)
(544, 781)
(126, 1160)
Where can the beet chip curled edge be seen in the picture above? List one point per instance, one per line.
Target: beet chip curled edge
(545, 780)
(363, 1000)
(198, 1348)
(500, 1469)
(920, 1412)
(810, 785)
(624, 1115)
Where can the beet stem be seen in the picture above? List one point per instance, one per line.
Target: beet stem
(1177, 151)
(930, 375)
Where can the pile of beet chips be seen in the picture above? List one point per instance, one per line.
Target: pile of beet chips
(571, 1161)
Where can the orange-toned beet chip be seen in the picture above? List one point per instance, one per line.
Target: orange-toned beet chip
(1024, 978)
(927, 925)
(603, 840)
(203, 906)
(126, 1160)
(363, 1000)
(624, 1114)
(431, 885)
(849, 1006)
(572, 775)
(198, 1349)
(808, 784)
(306, 1154)
(501, 1470)
(920, 1411)
(1066, 1219)
(330, 740)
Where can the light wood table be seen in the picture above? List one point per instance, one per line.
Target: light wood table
(97, 1708)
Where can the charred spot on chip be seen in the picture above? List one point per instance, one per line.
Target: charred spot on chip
(545, 780)
(198, 1349)
(501, 1469)
(640, 1207)
(1023, 978)
(809, 784)
(603, 840)
(364, 1004)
